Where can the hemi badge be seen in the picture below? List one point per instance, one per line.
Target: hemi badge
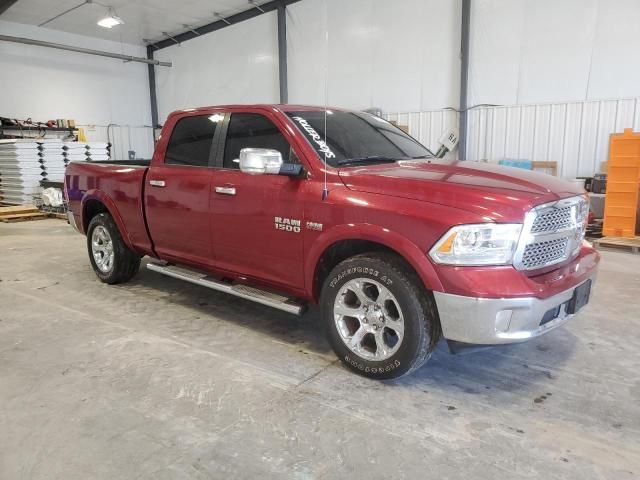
(314, 226)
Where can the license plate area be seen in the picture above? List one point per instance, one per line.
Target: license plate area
(580, 297)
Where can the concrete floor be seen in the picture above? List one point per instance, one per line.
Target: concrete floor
(165, 380)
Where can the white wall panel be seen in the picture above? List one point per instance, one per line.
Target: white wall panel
(495, 44)
(123, 139)
(397, 56)
(46, 84)
(549, 51)
(576, 135)
(615, 72)
(555, 50)
(238, 64)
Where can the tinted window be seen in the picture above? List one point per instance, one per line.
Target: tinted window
(356, 135)
(252, 130)
(190, 142)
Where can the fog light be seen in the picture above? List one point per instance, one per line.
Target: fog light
(503, 320)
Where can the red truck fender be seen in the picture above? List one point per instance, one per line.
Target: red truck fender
(373, 233)
(110, 205)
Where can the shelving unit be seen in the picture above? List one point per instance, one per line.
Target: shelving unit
(3, 128)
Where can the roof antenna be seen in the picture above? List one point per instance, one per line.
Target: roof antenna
(325, 190)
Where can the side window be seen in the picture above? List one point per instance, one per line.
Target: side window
(190, 142)
(252, 130)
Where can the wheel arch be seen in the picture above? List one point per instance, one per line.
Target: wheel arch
(345, 241)
(96, 202)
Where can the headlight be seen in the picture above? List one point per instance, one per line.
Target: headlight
(482, 244)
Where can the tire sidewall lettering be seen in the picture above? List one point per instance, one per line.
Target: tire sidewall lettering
(384, 279)
(373, 370)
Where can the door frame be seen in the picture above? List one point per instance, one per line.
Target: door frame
(218, 167)
(273, 118)
(160, 164)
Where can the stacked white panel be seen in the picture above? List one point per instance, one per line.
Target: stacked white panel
(86, 151)
(75, 152)
(97, 151)
(52, 159)
(20, 171)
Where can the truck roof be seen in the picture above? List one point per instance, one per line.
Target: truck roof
(272, 106)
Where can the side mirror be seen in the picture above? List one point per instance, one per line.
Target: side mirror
(259, 161)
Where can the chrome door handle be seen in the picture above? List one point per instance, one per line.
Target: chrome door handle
(157, 183)
(226, 190)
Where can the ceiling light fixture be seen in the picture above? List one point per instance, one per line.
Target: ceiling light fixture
(111, 20)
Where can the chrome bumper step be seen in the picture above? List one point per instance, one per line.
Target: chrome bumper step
(263, 297)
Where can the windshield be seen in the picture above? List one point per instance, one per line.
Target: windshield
(355, 138)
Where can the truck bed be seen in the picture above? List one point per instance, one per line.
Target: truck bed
(112, 182)
(137, 162)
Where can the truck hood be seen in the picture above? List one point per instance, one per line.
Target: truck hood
(500, 194)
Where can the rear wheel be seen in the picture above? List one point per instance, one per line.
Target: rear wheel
(111, 259)
(381, 321)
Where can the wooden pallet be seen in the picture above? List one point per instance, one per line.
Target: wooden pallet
(22, 217)
(627, 243)
(20, 213)
(17, 209)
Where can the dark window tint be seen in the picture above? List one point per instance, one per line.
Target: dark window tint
(190, 142)
(252, 130)
(356, 136)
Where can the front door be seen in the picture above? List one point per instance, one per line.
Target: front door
(178, 192)
(256, 220)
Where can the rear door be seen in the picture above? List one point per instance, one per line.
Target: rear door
(178, 191)
(256, 220)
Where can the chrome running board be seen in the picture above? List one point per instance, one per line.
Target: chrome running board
(248, 293)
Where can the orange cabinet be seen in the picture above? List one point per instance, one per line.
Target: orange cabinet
(623, 184)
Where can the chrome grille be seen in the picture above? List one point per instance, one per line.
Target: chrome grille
(552, 233)
(544, 253)
(553, 220)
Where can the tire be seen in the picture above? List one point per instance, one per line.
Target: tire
(395, 326)
(112, 261)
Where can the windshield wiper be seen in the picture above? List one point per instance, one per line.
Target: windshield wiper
(370, 159)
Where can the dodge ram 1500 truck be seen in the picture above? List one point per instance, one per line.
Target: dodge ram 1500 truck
(287, 205)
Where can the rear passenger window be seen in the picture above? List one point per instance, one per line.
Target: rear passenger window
(252, 130)
(191, 139)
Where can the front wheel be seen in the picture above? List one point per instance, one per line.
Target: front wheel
(111, 259)
(381, 322)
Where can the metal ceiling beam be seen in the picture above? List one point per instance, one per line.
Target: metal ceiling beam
(464, 77)
(100, 53)
(5, 5)
(279, 5)
(223, 23)
(86, 2)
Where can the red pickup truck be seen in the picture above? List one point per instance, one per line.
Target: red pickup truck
(288, 205)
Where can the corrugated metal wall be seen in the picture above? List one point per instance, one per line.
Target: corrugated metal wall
(574, 134)
(427, 127)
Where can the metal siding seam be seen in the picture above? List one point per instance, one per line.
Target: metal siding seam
(580, 139)
(535, 127)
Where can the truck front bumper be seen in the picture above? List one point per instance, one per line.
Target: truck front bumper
(494, 321)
